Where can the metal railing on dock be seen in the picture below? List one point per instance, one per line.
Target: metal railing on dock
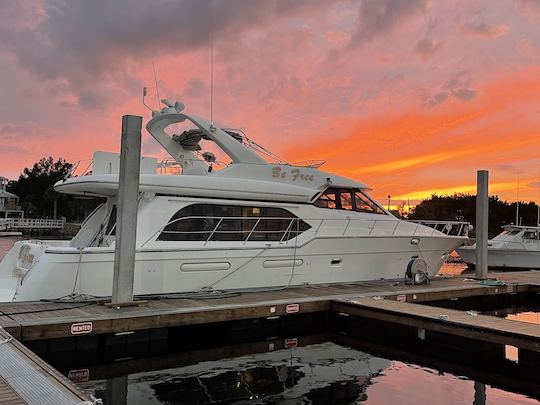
(30, 223)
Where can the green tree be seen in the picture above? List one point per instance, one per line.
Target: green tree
(462, 207)
(34, 187)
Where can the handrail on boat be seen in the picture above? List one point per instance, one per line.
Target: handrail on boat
(449, 228)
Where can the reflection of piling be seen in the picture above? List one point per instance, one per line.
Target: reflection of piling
(116, 390)
(482, 210)
(128, 197)
(479, 393)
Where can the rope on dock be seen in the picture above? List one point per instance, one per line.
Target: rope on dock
(6, 340)
(93, 401)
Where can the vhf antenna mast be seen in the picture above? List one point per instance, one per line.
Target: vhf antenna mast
(155, 81)
(145, 93)
(212, 80)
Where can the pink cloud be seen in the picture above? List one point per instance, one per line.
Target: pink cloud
(345, 81)
(484, 30)
(378, 17)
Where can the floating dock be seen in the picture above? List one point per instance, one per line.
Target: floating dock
(394, 305)
(49, 320)
(26, 379)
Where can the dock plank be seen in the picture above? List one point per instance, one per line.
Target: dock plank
(43, 320)
(453, 322)
(8, 396)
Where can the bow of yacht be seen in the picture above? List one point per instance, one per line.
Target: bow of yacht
(251, 224)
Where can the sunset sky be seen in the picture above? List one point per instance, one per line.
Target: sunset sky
(408, 96)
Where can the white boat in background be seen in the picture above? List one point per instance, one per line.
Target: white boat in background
(515, 247)
(252, 224)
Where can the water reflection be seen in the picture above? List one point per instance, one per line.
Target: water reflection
(314, 369)
(319, 373)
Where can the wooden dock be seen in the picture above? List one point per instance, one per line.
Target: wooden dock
(47, 320)
(458, 323)
(26, 379)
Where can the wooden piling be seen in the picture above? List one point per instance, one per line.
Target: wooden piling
(482, 211)
(128, 201)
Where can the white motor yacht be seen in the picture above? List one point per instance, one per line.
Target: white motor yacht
(515, 247)
(252, 224)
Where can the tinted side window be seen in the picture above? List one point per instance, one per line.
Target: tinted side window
(278, 224)
(199, 222)
(191, 223)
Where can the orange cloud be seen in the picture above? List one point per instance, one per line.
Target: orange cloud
(494, 188)
(418, 152)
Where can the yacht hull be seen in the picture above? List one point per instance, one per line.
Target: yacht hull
(507, 258)
(33, 270)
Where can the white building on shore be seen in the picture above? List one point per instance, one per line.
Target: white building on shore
(9, 203)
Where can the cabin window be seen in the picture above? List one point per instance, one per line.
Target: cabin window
(363, 203)
(201, 222)
(327, 199)
(530, 235)
(347, 199)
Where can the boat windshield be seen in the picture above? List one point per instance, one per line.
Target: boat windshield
(530, 235)
(349, 200)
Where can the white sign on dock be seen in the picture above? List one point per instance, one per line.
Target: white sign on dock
(292, 308)
(81, 328)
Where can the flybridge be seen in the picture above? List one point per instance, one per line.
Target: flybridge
(184, 151)
(249, 176)
(186, 145)
(246, 162)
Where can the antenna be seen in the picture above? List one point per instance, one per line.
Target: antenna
(155, 80)
(144, 94)
(212, 80)
(538, 203)
(517, 201)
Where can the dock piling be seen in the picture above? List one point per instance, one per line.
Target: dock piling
(482, 211)
(128, 199)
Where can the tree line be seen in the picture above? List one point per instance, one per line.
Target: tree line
(37, 198)
(462, 207)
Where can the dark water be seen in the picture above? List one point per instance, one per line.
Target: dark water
(318, 373)
(313, 369)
